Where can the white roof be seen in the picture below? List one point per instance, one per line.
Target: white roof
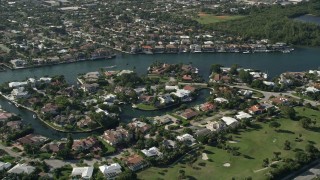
(4, 165)
(181, 93)
(17, 84)
(229, 120)
(268, 83)
(84, 172)
(219, 99)
(46, 79)
(151, 152)
(185, 137)
(243, 115)
(113, 168)
(171, 87)
(22, 168)
(312, 89)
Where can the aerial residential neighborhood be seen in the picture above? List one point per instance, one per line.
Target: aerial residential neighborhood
(159, 89)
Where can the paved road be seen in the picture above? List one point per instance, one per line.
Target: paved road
(310, 173)
(9, 151)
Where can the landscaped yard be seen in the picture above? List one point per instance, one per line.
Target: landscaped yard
(146, 107)
(204, 18)
(255, 145)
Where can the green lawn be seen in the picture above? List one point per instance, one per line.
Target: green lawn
(255, 145)
(146, 107)
(110, 149)
(211, 18)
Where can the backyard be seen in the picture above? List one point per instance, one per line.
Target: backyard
(255, 145)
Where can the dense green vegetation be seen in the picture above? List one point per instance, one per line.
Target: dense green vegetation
(276, 23)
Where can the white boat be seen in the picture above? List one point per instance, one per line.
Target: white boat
(109, 67)
(246, 52)
(34, 116)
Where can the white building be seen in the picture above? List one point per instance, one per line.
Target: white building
(4, 165)
(183, 94)
(229, 121)
(22, 168)
(216, 126)
(84, 172)
(165, 99)
(243, 115)
(111, 171)
(220, 100)
(17, 84)
(312, 89)
(19, 93)
(171, 88)
(45, 79)
(151, 152)
(268, 83)
(186, 137)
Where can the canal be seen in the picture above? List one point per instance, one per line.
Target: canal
(273, 63)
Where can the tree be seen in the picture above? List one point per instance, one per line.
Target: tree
(216, 68)
(276, 156)
(127, 175)
(182, 174)
(305, 122)
(265, 162)
(287, 145)
(234, 69)
(69, 142)
(274, 124)
(289, 112)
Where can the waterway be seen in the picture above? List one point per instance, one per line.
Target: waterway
(273, 63)
(309, 19)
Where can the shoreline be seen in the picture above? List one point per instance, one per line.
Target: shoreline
(45, 122)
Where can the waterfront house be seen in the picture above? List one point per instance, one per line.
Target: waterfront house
(189, 114)
(110, 171)
(115, 136)
(184, 95)
(139, 126)
(14, 125)
(17, 84)
(146, 99)
(4, 116)
(86, 122)
(189, 88)
(165, 119)
(19, 93)
(166, 99)
(49, 108)
(83, 172)
(135, 162)
(22, 169)
(187, 77)
(32, 139)
(220, 100)
(232, 122)
(208, 107)
(152, 152)
(18, 63)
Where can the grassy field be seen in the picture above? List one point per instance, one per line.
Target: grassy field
(255, 145)
(204, 18)
(146, 107)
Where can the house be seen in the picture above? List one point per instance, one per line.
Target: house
(169, 143)
(113, 137)
(230, 121)
(19, 93)
(139, 126)
(166, 119)
(220, 78)
(18, 63)
(84, 144)
(140, 90)
(208, 107)
(202, 132)
(245, 93)
(171, 88)
(152, 152)
(256, 109)
(186, 138)
(53, 147)
(91, 88)
(187, 77)
(312, 90)
(189, 88)
(220, 100)
(135, 162)
(22, 169)
(184, 95)
(32, 139)
(110, 171)
(146, 99)
(280, 101)
(49, 108)
(17, 84)
(14, 125)
(4, 116)
(86, 122)
(4, 166)
(166, 99)
(188, 114)
(216, 126)
(242, 115)
(83, 172)
(268, 83)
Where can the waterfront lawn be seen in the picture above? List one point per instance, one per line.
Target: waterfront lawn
(255, 144)
(204, 18)
(108, 148)
(146, 107)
